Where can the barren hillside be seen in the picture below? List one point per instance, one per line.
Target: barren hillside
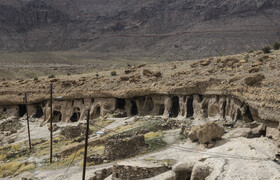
(175, 28)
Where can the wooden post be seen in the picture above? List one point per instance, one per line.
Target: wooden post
(27, 118)
(86, 145)
(51, 119)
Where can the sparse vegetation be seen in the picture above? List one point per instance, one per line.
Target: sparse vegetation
(113, 73)
(266, 49)
(51, 76)
(276, 45)
(35, 79)
(14, 168)
(251, 51)
(155, 144)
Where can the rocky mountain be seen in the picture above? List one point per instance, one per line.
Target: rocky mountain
(175, 28)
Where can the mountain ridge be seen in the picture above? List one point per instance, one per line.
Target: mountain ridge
(190, 29)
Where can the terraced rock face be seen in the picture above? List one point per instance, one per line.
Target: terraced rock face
(209, 88)
(185, 29)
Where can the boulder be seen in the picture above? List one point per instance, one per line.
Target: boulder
(149, 73)
(96, 159)
(254, 80)
(205, 133)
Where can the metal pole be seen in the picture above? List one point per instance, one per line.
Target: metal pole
(51, 119)
(86, 145)
(27, 118)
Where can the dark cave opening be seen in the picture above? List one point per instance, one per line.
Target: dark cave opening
(175, 106)
(134, 109)
(22, 110)
(120, 103)
(190, 110)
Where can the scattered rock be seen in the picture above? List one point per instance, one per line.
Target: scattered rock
(71, 132)
(10, 141)
(128, 71)
(205, 133)
(254, 80)
(205, 62)
(96, 159)
(119, 113)
(54, 127)
(149, 73)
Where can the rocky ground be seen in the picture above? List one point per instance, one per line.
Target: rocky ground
(152, 146)
(169, 152)
(249, 77)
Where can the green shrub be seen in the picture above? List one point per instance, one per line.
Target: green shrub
(276, 45)
(266, 49)
(113, 73)
(51, 76)
(35, 79)
(251, 51)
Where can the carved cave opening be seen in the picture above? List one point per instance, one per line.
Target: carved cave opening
(39, 112)
(57, 116)
(75, 117)
(22, 110)
(175, 106)
(134, 109)
(120, 104)
(190, 110)
(161, 109)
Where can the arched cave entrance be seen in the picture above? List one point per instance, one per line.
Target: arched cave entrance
(239, 115)
(39, 112)
(57, 116)
(120, 104)
(175, 106)
(22, 110)
(161, 109)
(134, 109)
(190, 107)
(75, 117)
(148, 105)
(247, 117)
(96, 112)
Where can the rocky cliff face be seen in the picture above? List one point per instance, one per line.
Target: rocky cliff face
(185, 28)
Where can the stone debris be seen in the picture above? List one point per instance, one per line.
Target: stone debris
(205, 133)
(254, 80)
(71, 132)
(149, 73)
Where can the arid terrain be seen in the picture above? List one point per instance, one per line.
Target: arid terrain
(211, 118)
(171, 89)
(187, 29)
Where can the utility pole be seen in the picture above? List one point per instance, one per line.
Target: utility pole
(86, 145)
(27, 118)
(51, 128)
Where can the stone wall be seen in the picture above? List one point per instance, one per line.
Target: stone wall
(120, 147)
(128, 172)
